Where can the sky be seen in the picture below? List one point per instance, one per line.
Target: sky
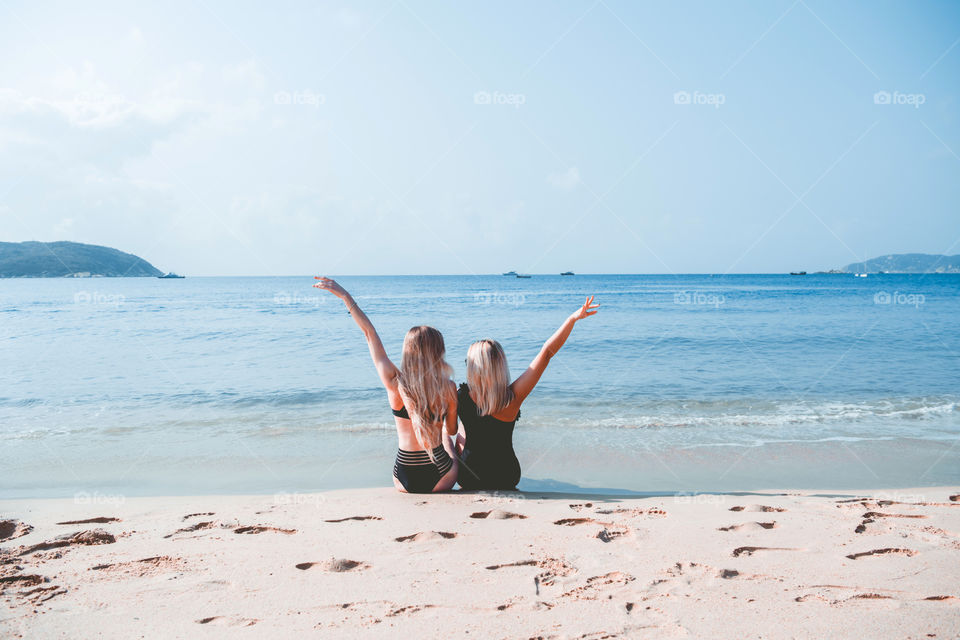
(408, 137)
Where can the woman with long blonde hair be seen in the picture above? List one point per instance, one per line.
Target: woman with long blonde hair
(489, 406)
(423, 398)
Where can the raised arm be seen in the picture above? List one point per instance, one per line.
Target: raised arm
(523, 385)
(387, 370)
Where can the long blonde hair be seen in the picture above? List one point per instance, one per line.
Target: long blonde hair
(489, 376)
(424, 383)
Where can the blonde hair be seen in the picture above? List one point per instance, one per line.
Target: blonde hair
(489, 376)
(424, 383)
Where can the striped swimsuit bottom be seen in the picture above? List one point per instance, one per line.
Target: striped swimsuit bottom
(417, 472)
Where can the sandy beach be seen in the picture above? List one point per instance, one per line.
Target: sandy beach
(375, 563)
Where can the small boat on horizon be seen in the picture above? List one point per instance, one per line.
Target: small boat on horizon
(861, 275)
(510, 273)
(169, 276)
(798, 273)
(522, 276)
(567, 273)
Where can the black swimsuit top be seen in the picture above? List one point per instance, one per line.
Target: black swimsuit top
(401, 413)
(485, 434)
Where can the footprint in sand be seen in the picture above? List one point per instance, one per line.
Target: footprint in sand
(955, 498)
(878, 514)
(652, 511)
(688, 578)
(871, 516)
(749, 551)
(518, 563)
(497, 514)
(10, 529)
(142, 567)
(334, 565)
(592, 588)
(195, 515)
(412, 608)
(355, 518)
(30, 588)
(868, 596)
(578, 507)
(22, 580)
(97, 520)
(758, 507)
(611, 532)
(878, 552)
(834, 594)
(553, 568)
(244, 529)
(224, 621)
(253, 529)
(608, 533)
(749, 526)
(195, 527)
(427, 535)
(93, 537)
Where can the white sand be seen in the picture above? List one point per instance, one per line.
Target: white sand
(571, 567)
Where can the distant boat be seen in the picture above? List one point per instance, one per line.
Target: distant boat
(861, 275)
(510, 273)
(170, 275)
(798, 273)
(567, 273)
(520, 276)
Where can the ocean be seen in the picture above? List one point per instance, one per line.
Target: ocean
(113, 387)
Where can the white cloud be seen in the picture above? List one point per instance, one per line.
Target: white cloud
(135, 36)
(565, 180)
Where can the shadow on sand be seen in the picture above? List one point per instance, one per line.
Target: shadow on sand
(547, 489)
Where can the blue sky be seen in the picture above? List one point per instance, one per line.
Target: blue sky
(397, 137)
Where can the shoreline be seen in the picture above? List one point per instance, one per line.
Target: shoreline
(778, 563)
(621, 466)
(555, 491)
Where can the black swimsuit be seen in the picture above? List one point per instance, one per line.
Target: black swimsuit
(488, 460)
(415, 470)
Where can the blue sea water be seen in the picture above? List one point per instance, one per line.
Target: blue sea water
(691, 382)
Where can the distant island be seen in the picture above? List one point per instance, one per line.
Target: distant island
(905, 263)
(69, 260)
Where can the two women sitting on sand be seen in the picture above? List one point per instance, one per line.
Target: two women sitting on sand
(426, 404)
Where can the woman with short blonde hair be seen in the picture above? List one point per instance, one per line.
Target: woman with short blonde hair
(489, 406)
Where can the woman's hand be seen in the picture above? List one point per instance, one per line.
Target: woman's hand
(330, 285)
(588, 309)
